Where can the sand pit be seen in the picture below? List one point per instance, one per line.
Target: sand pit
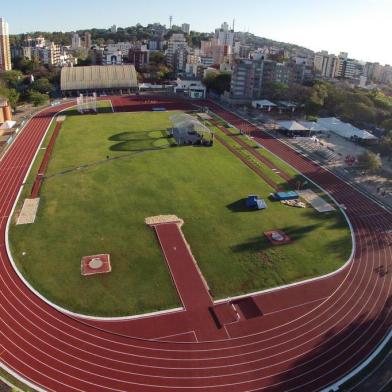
(29, 211)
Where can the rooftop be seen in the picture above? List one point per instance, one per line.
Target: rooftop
(98, 77)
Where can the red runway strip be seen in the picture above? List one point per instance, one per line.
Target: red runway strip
(45, 162)
(191, 288)
(309, 335)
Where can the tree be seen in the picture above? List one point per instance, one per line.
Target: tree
(12, 78)
(157, 58)
(11, 94)
(386, 145)
(43, 86)
(370, 161)
(13, 97)
(318, 95)
(276, 90)
(218, 82)
(387, 125)
(38, 99)
(26, 66)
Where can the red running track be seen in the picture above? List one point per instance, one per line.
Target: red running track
(309, 335)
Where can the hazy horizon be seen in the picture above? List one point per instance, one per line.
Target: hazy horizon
(359, 27)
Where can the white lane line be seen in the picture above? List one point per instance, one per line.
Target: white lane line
(296, 306)
(171, 336)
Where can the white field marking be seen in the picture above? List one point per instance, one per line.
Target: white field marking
(236, 312)
(296, 306)
(111, 104)
(176, 334)
(194, 333)
(57, 307)
(253, 334)
(227, 332)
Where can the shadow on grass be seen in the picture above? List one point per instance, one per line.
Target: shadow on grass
(240, 206)
(141, 141)
(261, 243)
(139, 136)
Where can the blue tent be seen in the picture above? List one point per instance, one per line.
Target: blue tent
(253, 201)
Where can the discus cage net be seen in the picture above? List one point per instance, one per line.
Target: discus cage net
(186, 129)
(87, 103)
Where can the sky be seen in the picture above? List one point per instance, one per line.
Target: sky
(360, 27)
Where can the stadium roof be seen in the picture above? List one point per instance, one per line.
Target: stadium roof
(98, 77)
(345, 130)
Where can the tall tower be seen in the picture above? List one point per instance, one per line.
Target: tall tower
(5, 52)
(76, 41)
(87, 40)
(170, 20)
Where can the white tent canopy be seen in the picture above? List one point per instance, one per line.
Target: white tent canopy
(263, 103)
(312, 126)
(291, 126)
(8, 124)
(343, 129)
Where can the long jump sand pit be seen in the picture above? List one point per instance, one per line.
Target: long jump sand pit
(60, 118)
(317, 202)
(29, 211)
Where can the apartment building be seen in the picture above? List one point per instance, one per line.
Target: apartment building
(76, 41)
(326, 64)
(186, 28)
(138, 56)
(224, 35)
(87, 40)
(247, 78)
(48, 54)
(177, 51)
(5, 50)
